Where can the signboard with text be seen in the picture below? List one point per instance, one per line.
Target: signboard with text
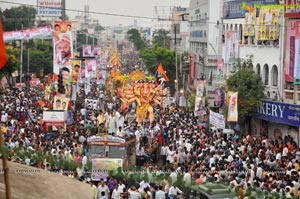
(232, 9)
(279, 113)
(291, 9)
(49, 8)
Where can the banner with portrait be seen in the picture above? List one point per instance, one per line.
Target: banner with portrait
(231, 46)
(233, 108)
(87, 50)
(96, 51)
(268, 24)
(101, 76)
(76, 69)
(200, 88)
(249, 24)
(60, 103)
(297, 53)
(90, 68)
(63, 48)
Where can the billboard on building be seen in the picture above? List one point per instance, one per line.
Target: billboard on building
(297, 53)
(249, 24)
(232, 9)
(289, 56)
(49, 8)
(291, 9)
(231, 46)
(268, 24)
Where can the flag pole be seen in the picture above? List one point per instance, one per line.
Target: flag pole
(5, 167)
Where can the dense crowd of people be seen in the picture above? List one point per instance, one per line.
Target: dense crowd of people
(196, 154)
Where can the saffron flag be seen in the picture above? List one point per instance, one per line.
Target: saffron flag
(233, 108)
(161, 70)
(3, 57)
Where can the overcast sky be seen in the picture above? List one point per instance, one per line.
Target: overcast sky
(143, 8)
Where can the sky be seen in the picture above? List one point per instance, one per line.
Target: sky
(143, 8)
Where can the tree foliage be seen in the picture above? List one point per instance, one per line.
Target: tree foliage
(161, 38)
(135, 37)
(13, 62)
(248, 84)
(152, 57)
(40, 57)
(17, 17)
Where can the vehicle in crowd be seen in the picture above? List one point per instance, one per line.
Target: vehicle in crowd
(211, 191)
(109, 153)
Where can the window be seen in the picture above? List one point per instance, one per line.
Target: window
(274, 76)
(266, 74)
(258, 69)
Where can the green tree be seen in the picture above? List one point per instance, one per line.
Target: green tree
(161, 38)
(152, 57)
(249, 86)
(40, 57)
(17, 17)
(13, 62)
(135, 37)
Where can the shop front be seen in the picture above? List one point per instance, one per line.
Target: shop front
(277, 119)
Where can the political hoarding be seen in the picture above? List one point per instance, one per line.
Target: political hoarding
(34, 33)
(297, 53)
(233, 108)
(63, 50)
(102, 166)
(268, 24)
(231, 46)
(60, 103)
(216, 119)
(249, 24)
(76, 69)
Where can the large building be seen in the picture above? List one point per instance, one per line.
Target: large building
(272, 39)
(205, 44)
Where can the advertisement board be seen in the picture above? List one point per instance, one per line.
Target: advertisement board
(216, 120)
(279, 113)
(231, 46)
(49, 8)
(291, 9)
(102, 166)
(268, 24)
(55, 116)
(232, 9)
(289, 53)
(63, 50)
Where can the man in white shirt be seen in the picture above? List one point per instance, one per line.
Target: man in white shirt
(160, 194)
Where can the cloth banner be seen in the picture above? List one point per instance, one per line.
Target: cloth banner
(217, 120)
(233, 108)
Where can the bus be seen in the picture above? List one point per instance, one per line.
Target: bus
(110, 153)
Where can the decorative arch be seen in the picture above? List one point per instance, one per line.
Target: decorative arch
(274, 75)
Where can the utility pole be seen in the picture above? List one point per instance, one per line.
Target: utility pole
(21, 67)
(28, 61)
(63, 10)
(176, 65)
(5, 167)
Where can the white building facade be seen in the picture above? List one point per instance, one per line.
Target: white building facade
(280, 113)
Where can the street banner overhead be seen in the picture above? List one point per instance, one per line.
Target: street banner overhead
(34, 33)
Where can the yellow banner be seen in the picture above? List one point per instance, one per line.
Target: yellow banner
(233, 108)
(60, 103)
(249, 23)
(268, 24)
